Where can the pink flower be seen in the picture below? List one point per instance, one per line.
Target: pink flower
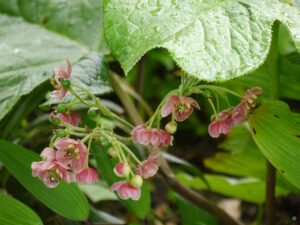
(180, 106)
(87, 176)
(126, 190)
(250, 97)
(48, 154)
(122, 169)
(73, 118)
(223, 125)
(60, 74)
(149, 167)
(239, 113)
(51, 172)
(71, 152)
(154, 137)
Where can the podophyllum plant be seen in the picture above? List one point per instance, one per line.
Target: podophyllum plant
(210, 41)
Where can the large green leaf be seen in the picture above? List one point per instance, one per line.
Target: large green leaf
(241, 152)
(106, 168)
(14, 212)
(192, 214)
(66, 199)
(248, 189)
(276, 132)
(78, 20)
(210, 39)
(29, 52)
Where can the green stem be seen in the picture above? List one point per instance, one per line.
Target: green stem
(214, 109)
(131, 153)
(52, 141)
(79, 98)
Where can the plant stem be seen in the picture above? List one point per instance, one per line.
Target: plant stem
(140, 77)
(186, 192)
(274, 94)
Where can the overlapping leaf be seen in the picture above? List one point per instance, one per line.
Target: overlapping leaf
(276, 132)
(212, 40)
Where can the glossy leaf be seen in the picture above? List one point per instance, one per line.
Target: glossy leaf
(98, 216)
(276, 132)
(66, 199)
(212, 40)
(241, 152)
(97, 192)
(193, 215)
(248, 189)
(106, 168)
(14, 212)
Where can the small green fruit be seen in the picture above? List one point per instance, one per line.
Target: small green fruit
(60, 133)
(65, 83)
(136, 181)
(171, 127)
(93, 112)
(54, 120)
(112, 152)
(61, 108)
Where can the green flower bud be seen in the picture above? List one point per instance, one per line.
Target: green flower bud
(171, 127)
(112, 152)
(65, 83)
(54, 120)
(61, 108)
(60, 133)
(93, 112)
(207, 93)
(136, 181)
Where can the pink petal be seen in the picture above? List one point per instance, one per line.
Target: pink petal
(87, 176)
(149, 170)
(59, 73)
(63, 142)
(134, 193)
(144, 137)
(224, 128)
(166, 138)
(213, 129)
(154, 155)
(50, 184)
(76, 118)
(119, 169)
(136, 131)
(69, 69)
(172, 99)
(167, 109)
(123, 192)
(60, 157)
(48, 154)
(239, 113)
(60, 94)
(79, 164)
(117, 185)
(190, 101)
(183, 116)
(156, 138)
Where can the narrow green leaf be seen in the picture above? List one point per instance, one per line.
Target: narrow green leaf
(276, 132)
(193, 215)
(14, 212)
(106, 168)
(66, 199)
(248, 189)
(212, 40)
(97, 192)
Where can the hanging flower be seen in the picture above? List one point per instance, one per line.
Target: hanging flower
(180, 106)
(122, 169)
(73, 118)
(60, 75)
(221, 126)
(71, 152)
(87, 176)
(126, 190)
(51, 172)
(149, 166)
(153, 137)
(48, 154)
(250, 97)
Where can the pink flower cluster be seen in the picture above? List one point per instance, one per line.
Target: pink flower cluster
(153, 137)
(233, 116)
(131, 189)
(71, 155)
(73, 118)
(60, 75)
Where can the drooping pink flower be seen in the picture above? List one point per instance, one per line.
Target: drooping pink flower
(73, 118)
(239, 113)
(149, 166)
(48, 154)
(221, 126)
(126, 190)
(122, 169)
(250, 97)
(51, 172)
(87, 176)
(180, 106)
(153, 137)
(61, 74)
(71, 152)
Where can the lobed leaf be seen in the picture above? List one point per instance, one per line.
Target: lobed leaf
(213, 40)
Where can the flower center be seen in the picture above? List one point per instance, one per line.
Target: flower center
(54, 175)
(72, 152)
(183, 108)
(251, 102)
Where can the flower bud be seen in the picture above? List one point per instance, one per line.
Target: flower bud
(65, 83)
(207, 93)
(136, 181)
(60, 133)
(122, 169)
(171, 127)
(112, 152)
(53, 119)
(93, 112)
(61, 108)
